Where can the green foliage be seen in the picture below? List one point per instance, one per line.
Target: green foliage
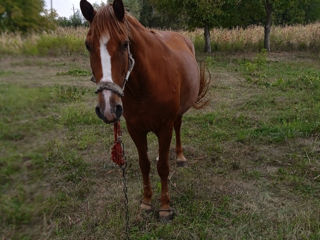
(24, 16)
(75, 20)
(209, 61)
(250, 12)
(134, 7)
(68, 162)
(312, 11)
(55, 46)
(69, 93)
(255, 69)
(242, 13)
(74, 115)
(146, 14)
(231, 13)
(197, 14)
(203, 13)
(303, 82)
(29, 99)
(296, 11)
(75, 72)
(15, 210)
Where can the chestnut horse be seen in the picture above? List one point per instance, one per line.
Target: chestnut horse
(151, 77)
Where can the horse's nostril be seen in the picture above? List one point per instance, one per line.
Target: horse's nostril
(98, 112)
(118, 111)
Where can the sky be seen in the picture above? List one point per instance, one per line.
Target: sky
(65, 7)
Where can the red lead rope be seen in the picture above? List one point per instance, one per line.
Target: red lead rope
(117, 156)
(117, 153)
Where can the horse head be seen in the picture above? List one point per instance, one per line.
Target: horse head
(111, 62)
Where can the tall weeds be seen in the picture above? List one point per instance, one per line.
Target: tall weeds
(288, 38)
(69, 41)
(62, 41)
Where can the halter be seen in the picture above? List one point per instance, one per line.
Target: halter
(113, 86)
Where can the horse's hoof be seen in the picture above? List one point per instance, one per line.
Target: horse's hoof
(166, 215)
(181, 160)
(146, 207)
(181, 163)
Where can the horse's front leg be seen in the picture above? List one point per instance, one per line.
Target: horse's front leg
(140, 140)
(164, 137)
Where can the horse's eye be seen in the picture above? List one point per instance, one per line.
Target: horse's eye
(125, 45)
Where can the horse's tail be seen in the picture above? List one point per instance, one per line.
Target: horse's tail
(202, 101)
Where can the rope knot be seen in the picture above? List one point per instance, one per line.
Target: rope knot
(117, 153)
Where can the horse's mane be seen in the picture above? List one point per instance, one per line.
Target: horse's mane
(106, 21)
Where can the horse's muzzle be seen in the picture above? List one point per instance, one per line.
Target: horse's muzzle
(118, 110)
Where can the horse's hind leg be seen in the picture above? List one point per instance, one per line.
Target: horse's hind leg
(140, 140)
(181, 160)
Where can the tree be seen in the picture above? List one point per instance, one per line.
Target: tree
(151, 16)
(269, 6)
(267, 12)
(134, 7)
(288, 12)
(231, 13)
(76, 19)
(24, 16)
(146, 14)
(250, 12)
(204, 14)
(242, 13)
(297, 11)
(312, 11)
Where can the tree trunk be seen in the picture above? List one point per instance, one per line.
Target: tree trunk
(207, 46)
(268, 24)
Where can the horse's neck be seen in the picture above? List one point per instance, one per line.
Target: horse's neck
(140, 38)
(139, 35)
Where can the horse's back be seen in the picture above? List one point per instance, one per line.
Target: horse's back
(175, 41)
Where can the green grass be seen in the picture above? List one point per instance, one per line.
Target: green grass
(253, 171)
(6, 73)
(75, 72)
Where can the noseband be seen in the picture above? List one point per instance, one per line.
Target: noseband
(115, 87)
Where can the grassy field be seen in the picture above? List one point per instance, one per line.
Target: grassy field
(70, 41)
(254, 165)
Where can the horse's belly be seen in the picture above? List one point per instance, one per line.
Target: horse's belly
(189, 89)
(152, 113)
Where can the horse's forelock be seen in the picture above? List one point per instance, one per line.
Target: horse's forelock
(105, 22)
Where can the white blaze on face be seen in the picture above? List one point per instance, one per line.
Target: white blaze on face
(105, 60)
(106, 74)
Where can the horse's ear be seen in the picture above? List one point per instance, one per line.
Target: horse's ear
(118, 9)
(87, 10)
